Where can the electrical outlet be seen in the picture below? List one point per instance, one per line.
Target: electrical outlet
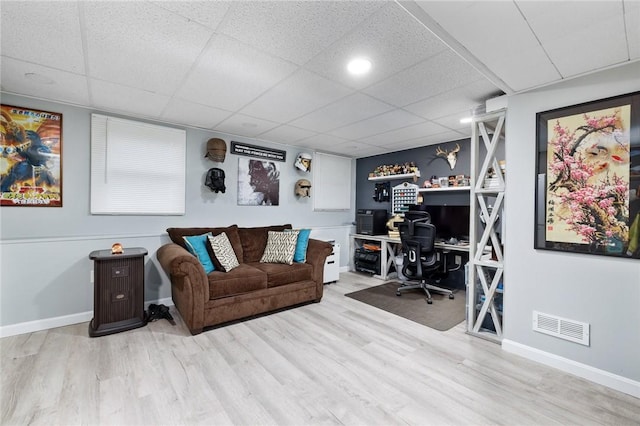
(91, 277)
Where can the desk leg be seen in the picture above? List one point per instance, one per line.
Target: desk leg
(388, 257)
(384, 270)
(352, 250)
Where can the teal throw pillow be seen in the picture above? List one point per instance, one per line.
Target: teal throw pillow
(300, 254)
(197, 246)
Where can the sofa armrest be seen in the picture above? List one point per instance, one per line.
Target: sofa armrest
(317, 252)
(189, 283)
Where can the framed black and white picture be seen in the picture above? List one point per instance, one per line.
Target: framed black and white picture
(258, 183)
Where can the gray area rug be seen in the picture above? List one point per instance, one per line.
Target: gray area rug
(443, 314)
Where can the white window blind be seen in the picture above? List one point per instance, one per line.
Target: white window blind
(136, 168)
(331, 188)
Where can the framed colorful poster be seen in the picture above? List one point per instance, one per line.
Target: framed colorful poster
(588, 178)
(31, 161)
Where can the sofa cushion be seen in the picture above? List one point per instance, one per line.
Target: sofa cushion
(242, 279)
(300, 255)
(254, 241)
(176, 235)
(197, 246)
(280, 274)
(223, 252)
(281, 247)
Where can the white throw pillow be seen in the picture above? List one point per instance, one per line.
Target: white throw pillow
(280, 248)
(223, 250)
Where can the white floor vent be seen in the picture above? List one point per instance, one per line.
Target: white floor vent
(574, 331)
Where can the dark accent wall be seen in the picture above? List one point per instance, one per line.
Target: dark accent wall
(428, 164)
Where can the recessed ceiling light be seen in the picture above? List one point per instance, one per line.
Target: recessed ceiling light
(466, 120)
(359, 66)
(38, 78)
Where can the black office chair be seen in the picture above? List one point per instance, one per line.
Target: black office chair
(419, 258)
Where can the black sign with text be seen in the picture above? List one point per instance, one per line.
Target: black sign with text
(241, 148)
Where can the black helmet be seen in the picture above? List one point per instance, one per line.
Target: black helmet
(215, 180)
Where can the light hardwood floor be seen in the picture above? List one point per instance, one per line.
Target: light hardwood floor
(335, 362)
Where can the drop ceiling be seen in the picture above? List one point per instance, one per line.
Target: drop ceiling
(276, 71)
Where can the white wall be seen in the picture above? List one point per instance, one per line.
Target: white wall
(45, 268)
(604, 292)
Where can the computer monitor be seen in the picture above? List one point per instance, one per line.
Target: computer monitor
(450, 221)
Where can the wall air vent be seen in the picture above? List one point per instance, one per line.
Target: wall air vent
(574, 331)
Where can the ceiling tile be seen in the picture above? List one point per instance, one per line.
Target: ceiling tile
(297, 95)
(488, 29)
(244, 125)
(632, 24)
(464, 98)
(192, 114)
(449, 136)
(392, 39)
(321, 141)
(406, 133)
(381, 123)
(36, 32)
(207, 13)
(126, 100)
(141, 45)
(231, 74)
(453, 122)
(65, 86)
(434, 139)
(431, 77)
(496, 33)
(286, 134)
(356, 149)
(579, 37)
(268, 26)
(554, 20)
(345, 111)
(525, 69)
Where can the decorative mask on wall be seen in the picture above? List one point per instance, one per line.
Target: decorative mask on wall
(303, 188)
(216, 150)
(450, 156)
(303, 162)
(215, 180)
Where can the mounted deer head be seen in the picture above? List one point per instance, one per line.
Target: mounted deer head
(451, 156)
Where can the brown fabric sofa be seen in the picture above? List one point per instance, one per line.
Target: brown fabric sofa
(250, 289)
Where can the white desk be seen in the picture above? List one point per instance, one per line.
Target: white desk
(389, 249)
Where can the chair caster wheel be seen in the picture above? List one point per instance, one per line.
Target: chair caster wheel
(429, 301)
(398, 293)
(451, 296)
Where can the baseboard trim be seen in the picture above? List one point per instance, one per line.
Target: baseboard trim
(49, 323)
(602, 377)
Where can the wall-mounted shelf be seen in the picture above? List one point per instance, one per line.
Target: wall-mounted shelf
(393, 177)
(445, 189)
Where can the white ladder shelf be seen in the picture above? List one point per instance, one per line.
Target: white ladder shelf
(486, 272)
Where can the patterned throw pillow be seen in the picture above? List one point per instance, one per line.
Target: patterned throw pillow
(280, 247)
(196, 244)
(224, 251)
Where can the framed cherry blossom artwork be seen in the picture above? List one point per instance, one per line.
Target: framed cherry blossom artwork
(588, 178)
